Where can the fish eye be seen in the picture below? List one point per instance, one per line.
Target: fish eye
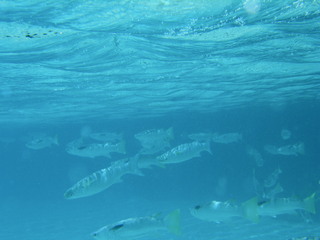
(197, 207)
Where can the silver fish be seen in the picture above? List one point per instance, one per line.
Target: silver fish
(93, 150)
(217, 211)
(226, 138)
(280, 206)
(42, 142)
(155, 134)
(287, 150)
(154, 140)
(102, 179)
(184, 152)
(107, 136)
(294, 149)
(200, 137)
(134, 228)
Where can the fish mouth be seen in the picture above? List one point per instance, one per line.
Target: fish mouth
(68, 194)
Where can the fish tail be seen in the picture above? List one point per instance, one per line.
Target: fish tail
(134, 166)
(159, 164)
(309, 203)
(250, 209)
(122, 147)
(170, 133)
(172, 222)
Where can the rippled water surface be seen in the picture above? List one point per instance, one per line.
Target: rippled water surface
(74, 60)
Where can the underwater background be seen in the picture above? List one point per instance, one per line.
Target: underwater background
(76, 67)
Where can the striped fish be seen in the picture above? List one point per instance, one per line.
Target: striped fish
(102, 179)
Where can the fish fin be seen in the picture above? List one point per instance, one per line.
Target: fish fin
(139, 173)
(134, 166)
(250, 209)
(309, 203)
(160, 164)
(172, 221)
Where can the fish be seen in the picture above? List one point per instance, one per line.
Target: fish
(279, 206)
(294, 149)
(155, 134)
(154, 140)
(103, 179)
(139, 227)
(42, 142)
(107, 137)
(216, 211)
(226, 138)
(201, 137)
(184, 152)
(93, 150)
(287, 150)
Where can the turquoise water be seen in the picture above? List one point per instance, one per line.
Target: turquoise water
(72, 68)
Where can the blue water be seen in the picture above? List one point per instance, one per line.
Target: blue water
(72, 67)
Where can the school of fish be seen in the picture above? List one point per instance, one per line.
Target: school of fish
(157, 151)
